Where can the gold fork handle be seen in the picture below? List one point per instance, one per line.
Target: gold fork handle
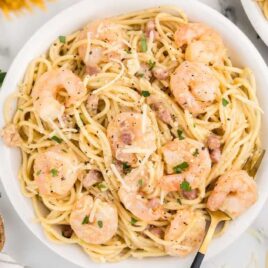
(209, 236)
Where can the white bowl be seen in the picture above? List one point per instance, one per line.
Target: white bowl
(242, 52)
(257, 18)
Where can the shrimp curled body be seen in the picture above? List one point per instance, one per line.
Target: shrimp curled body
(96, 229)
(235, 192)
(55, 171)
(47, 87)
(186, 232)
(189, 151)
(203, 44)
(194, 86)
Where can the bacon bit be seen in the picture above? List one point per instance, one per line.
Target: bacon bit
(67, 231)
(92, 104)
(92, 70)
(213, 142)
(157, 231)
(190, 195)
(160, 73)
(161, 112)
(214, 145)
(92, 177)
(215, 155)
(11, 136)
(151, 28)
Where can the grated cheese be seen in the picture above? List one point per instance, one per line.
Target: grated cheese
(144, 118)
(119, 177)
(89, 34)
(114, 80)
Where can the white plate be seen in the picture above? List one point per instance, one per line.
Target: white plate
(242, 52)
(257, 19)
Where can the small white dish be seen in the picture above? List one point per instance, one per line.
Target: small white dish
(242, 52)
(257, 18)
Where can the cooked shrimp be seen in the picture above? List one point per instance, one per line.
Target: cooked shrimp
(47, 87)
(105, 31)
(189, 160)
(234, 192)
(94, 222)
(55, 171)
(10, 135)
(186, 232)
(126, 131)
(132, 198)
(194, 86)
(203, 43)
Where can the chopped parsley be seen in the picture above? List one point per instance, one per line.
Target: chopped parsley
(126, 167)
(20, 109)
(145, 93)
(100, 224)
(133, 221)
(196, 152)
(225, 102)
(181, 134)
(56, 139)
(151, 64)
(101, 186)
(38, 172)
(140, 75)
(128, 50)
(143, 43)
(2, 77)
(85, 220)
(62, 39)
(140, 182)
(54, 172)
(181, 167)
(185, 186)
(179, 201)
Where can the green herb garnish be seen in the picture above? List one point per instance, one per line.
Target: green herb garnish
(54, 172)
(145, 93)
(85, 220)
(185, 186)
(126, 167)
(196, 152)
(140, 182)
(140, 75)
(101, 186)
(2, 77)
(133, 221)
(151, 64)
(181, 167)
(62, 39)
(143, 43)
(181, 134)
(56, 139)
(100, 224)
(38, 172)
(179, 201)
(225, 102)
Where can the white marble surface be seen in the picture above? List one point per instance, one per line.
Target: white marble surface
(248, 252)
